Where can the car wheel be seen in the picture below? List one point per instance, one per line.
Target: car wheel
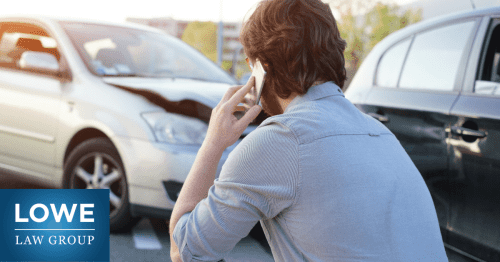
(95, 164)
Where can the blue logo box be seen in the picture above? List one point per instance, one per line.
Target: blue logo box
(54, 225)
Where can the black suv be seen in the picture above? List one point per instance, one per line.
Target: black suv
(436, 86)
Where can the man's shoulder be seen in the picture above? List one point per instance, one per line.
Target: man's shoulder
(270, 142)
(268, 155)
(329, 116)
(271, 133)
(314, 119)
(302, 120)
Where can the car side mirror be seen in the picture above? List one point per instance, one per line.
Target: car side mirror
(39, 61)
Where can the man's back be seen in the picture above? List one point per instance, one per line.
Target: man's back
(359, 196)
(327, 182)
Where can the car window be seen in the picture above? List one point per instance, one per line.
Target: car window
(17, 38)
(434, 58)
(120, 51)
(489, 81)
(390, 65)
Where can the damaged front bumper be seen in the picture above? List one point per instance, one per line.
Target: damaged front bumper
(155, 173)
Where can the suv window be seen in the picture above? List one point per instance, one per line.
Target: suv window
(434, 58)
(17, 38)
(391, 63)
(489, 80)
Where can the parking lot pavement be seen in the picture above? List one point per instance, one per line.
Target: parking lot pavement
(149, 241)
(10, 181)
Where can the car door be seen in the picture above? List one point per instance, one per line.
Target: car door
(475, 153)
(29, 102)
(416, 83)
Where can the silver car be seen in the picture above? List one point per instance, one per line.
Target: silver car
(98, 105)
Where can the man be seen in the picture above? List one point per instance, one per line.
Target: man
(327, 182)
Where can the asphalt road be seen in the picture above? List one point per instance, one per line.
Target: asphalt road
(149, 239)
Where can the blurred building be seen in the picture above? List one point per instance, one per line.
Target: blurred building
(169, 25)
(176, 28)
(230, 34)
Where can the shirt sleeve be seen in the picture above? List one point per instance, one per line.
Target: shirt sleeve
(258, 180)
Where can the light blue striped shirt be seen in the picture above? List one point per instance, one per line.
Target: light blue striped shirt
(327, 183)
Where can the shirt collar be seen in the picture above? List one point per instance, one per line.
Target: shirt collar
(317, 92)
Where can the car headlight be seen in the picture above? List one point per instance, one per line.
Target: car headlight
(176, 129)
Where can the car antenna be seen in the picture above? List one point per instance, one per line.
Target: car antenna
(473, 5)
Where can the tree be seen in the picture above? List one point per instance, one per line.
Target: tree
(355, 49)
(352, 6)
(364, 23)
(385, 19)
(203, 37)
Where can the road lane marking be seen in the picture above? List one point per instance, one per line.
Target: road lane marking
(144, 236)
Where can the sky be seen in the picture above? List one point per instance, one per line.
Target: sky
(118, 11)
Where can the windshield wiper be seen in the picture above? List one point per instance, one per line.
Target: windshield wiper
(205, 80)
(123, 75)
(196, 78)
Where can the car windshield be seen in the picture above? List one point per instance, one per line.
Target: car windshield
(119, 51)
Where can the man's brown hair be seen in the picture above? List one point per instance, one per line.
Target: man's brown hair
(298, 43)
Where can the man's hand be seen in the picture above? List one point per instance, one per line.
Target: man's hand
(224, 128)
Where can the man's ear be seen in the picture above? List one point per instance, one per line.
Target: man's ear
(266, 67)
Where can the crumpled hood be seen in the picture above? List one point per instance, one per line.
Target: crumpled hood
(175, 90)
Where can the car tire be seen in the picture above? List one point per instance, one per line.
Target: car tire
(80, 172)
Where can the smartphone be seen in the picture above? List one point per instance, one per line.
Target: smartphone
(260, 77)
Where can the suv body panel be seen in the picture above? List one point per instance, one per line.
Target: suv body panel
(452, 137)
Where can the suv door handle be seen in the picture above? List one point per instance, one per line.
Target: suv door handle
(462, 131)
(380, 118)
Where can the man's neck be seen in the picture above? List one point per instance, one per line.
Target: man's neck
(285, 102)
